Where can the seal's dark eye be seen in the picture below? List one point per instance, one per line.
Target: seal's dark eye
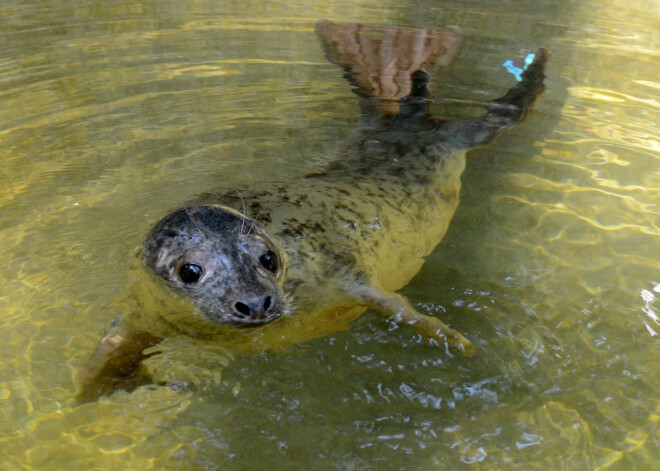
(190, 273)
(269, 261)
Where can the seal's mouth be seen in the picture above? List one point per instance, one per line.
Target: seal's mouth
(192, 328)
(250, 323)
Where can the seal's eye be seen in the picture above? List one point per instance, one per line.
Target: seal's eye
(269, 261)
(190, 273)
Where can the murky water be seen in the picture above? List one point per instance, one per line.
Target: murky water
(117, 112)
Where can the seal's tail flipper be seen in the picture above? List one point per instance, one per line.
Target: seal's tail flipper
(522, 97)
(381, 62)
(503, 112)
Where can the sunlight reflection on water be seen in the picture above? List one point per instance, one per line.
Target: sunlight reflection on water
(115, 114)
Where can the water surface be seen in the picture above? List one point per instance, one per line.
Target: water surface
(115, 113)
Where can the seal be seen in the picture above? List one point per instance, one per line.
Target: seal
(268, 265)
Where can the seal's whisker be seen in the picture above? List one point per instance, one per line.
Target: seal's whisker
(254, 221)
(184, 233)
(288, 307)
(185, 208)
(244, 216)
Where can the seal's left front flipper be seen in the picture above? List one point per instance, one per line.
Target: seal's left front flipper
(401, 311)
(115, 363)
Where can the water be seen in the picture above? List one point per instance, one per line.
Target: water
(115, 113)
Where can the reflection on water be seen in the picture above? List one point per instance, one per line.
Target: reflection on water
(115, 114)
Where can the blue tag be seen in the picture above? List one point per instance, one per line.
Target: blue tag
(516, 71)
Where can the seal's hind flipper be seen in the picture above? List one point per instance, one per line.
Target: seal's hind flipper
(381, 61)
(115, 363)
(502, 112)
(400, 310)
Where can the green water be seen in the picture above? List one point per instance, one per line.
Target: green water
(114, 113)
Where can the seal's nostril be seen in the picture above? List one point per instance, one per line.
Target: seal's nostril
(242, 308)
(267, 303)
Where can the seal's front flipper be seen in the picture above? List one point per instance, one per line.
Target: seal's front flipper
(380, 62)
(400, 310)
(115, 363)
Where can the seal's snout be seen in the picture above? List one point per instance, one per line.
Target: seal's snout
(258, 310)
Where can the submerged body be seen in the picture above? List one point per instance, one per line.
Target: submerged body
(292, 261)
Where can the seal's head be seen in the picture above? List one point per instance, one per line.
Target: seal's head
(224, 262)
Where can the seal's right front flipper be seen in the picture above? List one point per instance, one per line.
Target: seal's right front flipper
(115, 363)
(400, 310)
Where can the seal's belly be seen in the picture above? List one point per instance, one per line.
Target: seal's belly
(394, 256)
(381, 227)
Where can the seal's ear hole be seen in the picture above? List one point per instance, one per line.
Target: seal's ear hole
(190, 273)
(268, 260)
